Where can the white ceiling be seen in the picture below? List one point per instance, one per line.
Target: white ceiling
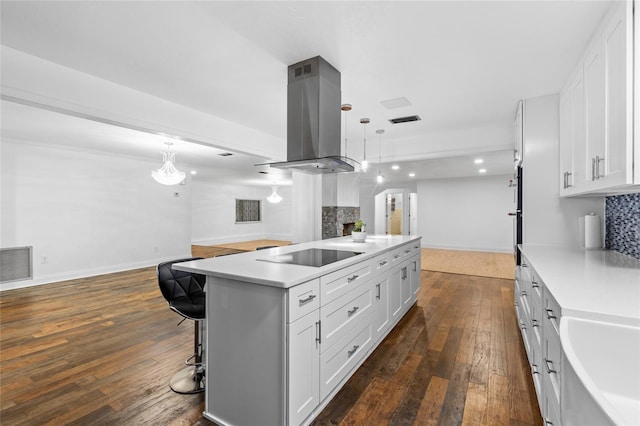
(460, 64)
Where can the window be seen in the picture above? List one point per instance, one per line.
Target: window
(247, 211)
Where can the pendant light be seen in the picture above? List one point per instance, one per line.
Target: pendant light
(380, 177)
(274, 197)
(365, 163)
(345, 108)
(168, 174)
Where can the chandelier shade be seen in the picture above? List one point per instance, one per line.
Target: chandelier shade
(168, 174)
(274, 197)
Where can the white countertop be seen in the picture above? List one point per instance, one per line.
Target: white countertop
(592, 284)
(248, 268)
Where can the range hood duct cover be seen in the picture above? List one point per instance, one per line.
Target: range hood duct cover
(313, 119)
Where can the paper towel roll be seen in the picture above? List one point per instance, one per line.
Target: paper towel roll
(592, 233)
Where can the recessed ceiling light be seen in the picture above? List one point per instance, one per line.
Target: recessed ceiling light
(193, 172)
(412, 174)
(482, 171)
(395, 167)
(478, 161)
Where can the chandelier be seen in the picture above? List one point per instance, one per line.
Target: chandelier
(168, 174)
(274, 197)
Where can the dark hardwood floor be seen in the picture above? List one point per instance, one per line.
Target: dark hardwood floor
(100, 350)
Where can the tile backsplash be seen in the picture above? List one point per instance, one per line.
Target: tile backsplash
(622, 223)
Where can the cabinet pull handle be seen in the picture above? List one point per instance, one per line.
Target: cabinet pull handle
(318, 332)
(598, 160)
(416, 247)
(352, 351)
(307, 300)
(548, 422)
(384, 262)
(408, 251)
(535, 284)
(534, 323)
(352, 278)
(353, 311)
(564, 180)
(396, 256)
(524, 292)
(404, 273)
(378, 291)
(593, 168)
(569, 174)
(550, 314)
(549, 365)
(522, 326)
(534, 369)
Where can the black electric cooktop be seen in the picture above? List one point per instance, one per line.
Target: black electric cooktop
(312, 257)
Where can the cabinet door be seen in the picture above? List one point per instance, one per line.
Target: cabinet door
(303, 375)
(579, 152)
(395, 293)
(566, 141)
(594, 89)
(573, 156)
(407, 294)
(414, 274)
(381, 313)
(615, 161)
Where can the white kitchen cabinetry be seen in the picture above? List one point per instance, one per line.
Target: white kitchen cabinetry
(278, 353)
(539, 317)
(596, 107)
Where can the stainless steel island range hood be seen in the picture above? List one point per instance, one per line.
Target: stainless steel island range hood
(313, 119)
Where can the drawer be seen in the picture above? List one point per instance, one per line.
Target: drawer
(303, 299)
(340, 282)
(551, 362)
(338, 362)
(550, 409)
(382, 263)
(342, 314)
(551, 312)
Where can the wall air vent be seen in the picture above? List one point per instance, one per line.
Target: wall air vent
(16, 264)
(404, 119)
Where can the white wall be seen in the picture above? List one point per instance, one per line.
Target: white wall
(88, 213)
(213, 217)
(466, 213)
(547, 218)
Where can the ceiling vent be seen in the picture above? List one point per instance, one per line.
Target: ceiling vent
(404, 119)
(396, 103)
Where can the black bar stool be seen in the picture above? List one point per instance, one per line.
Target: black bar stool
(184, 292)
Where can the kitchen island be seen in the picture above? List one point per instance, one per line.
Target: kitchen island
(283, 338)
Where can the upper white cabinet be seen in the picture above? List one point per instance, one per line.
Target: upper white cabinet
(596, 113)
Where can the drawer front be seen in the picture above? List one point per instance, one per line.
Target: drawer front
(382, 263)
(303, 299)
(340, 282)
(551, 312)
(551, 362)
(336, 363)
(341, 315)
(399, 254)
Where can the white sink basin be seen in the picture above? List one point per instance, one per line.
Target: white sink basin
(601, 378)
